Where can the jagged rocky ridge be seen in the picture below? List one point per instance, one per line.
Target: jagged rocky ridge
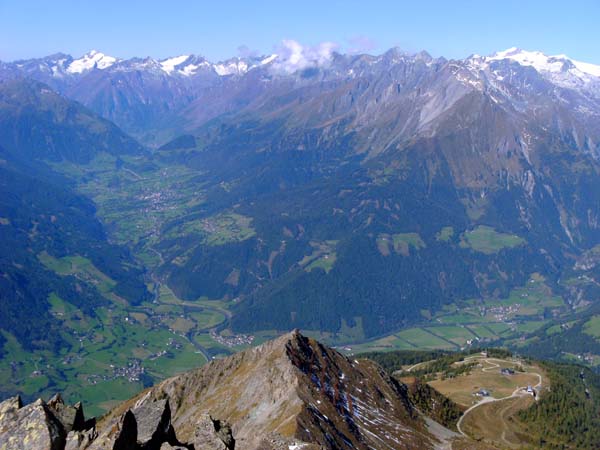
(292, 392)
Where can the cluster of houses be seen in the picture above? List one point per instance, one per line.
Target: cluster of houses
(132, 372)
(232, 341)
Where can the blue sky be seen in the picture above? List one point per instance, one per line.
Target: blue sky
(217, 29)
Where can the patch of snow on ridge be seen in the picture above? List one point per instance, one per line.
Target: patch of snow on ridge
(268, 59)
(190, 69)
(229, 68)
(168, 65)
(91, 60)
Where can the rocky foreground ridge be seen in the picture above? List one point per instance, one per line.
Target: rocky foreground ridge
(289, 393)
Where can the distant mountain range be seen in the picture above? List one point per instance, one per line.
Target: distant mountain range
(156, 99)
(349, 195)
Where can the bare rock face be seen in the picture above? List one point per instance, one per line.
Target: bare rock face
(213, 434)
(120, 435)
(71, 417)
(126, 437)
(78, 440)
(9, 405)
(32, 426)
(154, 424)
(146, 426)
(167, 446)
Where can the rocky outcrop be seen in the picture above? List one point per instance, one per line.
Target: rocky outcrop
(167, 446)
(121, 435)
(71, 417)
(41, 425)
(154, 424)
(32, 426)
(146, 426)
(77, 440)
(213, 434)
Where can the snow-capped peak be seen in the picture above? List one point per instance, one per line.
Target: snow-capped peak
(168, 65)
(185, 65)
(239, 66)
(560, 70)
(91, 60)
(544, 63)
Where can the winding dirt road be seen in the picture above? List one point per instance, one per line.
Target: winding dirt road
(518, 392)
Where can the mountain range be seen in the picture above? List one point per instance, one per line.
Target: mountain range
(397, 200)
(151, 99)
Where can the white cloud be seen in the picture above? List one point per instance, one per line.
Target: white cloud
(293, 56)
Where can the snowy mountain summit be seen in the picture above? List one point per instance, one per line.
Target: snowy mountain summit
(558, 69)
(91, 60)
(139, 94)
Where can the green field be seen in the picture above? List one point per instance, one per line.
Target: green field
(325, 262)
(445, 234)
(531, 326)
(592, 327)
(388, 343)
(500, 329)
(79, 266)
(483, 331)
(422, 339)
(457, 335)
(461, 318)
(206, 318)
(323, 256)
(401, 243)
(486, 240)
(215, 230)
